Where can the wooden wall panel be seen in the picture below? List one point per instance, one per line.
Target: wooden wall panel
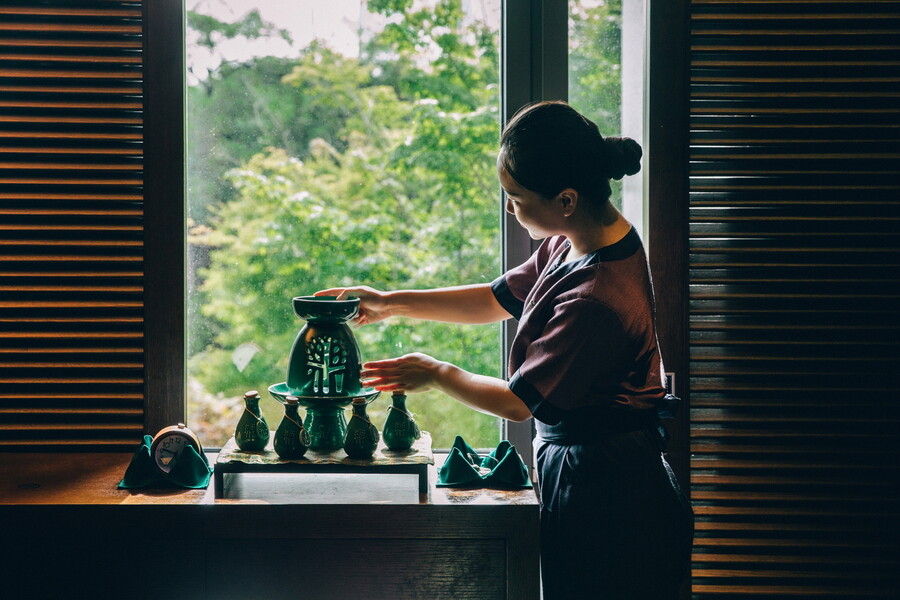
(794, 287)
(71, 225)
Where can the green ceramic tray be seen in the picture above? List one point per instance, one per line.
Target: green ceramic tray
(280, 390)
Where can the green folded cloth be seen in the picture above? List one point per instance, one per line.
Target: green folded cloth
(502, 468)
(191, 470)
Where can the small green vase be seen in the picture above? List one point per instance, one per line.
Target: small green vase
(291, 438)
(361, 438)
(252, 431)
(400, 430)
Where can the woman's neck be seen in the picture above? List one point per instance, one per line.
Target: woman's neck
(590, 234)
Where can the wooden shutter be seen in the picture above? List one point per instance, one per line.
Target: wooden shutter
(71, 225)
(794, 264)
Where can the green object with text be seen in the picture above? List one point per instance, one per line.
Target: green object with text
(291, 438)
(400, 429)
(252, 431)
(361, 438)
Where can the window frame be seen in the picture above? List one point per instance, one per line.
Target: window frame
(165, 243)
(533, 66)
(534, 58)
(666, 186)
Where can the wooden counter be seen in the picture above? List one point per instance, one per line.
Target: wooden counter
(68, 530)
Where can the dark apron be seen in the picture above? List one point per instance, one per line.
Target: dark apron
(615, 524)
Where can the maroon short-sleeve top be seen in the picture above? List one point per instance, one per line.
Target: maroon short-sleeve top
(586, 334)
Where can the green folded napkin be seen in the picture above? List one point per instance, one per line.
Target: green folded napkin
(191, 471)
(502, 468)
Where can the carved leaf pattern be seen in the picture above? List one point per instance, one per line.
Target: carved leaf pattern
(321, 347)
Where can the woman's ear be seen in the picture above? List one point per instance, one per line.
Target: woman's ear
(568, 201)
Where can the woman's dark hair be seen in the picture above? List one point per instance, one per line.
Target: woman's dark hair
(549, 146)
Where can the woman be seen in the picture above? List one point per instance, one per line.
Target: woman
(584, 363)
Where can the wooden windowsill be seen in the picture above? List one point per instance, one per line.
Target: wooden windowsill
(91, 478)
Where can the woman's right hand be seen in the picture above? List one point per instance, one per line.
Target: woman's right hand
(373, 305)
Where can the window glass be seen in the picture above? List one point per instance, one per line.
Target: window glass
(335, 143)
(606, 79)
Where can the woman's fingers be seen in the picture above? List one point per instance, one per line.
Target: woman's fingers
(338, 293)
(382, 364)
(380, 376)
(330, 292)
(412, 372)
(371, 306)
(384, 382)
(362, 317)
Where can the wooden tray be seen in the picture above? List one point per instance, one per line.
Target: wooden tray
(413, 461)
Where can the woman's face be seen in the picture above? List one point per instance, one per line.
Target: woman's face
(533, 212)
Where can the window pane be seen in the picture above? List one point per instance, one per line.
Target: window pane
(337, 143)
(606, 74)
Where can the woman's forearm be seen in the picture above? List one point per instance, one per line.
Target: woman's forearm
(485, 394)
(471, 304)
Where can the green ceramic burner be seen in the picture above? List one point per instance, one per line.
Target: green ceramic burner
(323, 368)
(325, 357)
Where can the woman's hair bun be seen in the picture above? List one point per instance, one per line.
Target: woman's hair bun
(621, 157)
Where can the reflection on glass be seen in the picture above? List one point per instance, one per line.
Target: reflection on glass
(329, 144)
(606, 57)
(595, 61)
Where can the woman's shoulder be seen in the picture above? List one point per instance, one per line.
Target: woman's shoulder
(619, 285)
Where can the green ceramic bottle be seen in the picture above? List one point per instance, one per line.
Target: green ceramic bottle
(361, 438)
(252, 431)
(291, 438)
(400, 430)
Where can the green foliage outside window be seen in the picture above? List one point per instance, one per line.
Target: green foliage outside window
(326, 170)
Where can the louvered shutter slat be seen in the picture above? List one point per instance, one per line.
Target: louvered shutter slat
(71, 226)
(794, 241)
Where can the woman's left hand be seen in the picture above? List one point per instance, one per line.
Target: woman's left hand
(415, 372)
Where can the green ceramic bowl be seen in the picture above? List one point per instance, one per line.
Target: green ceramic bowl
(312, 308)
